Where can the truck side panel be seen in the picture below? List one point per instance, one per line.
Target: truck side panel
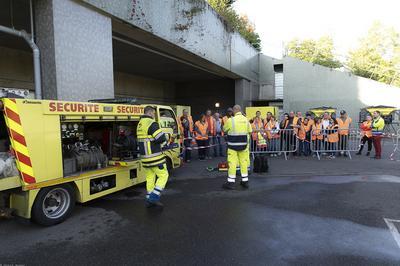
(23, 201)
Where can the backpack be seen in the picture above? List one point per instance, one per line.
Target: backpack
(261, 164)
(265, 165)
(258, 164)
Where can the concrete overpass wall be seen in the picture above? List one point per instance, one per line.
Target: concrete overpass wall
(144, 89)
(307, 85)
(192, 25)
(267, 77)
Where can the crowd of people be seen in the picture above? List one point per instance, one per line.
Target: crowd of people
(207, 132)
(293, 132)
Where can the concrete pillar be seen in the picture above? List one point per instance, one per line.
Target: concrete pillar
(245, 92)
(75, 43)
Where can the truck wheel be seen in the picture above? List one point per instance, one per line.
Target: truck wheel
(53, 205)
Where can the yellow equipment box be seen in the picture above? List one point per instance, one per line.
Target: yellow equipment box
(384, 110)
(251, 111)
(67, 152)
(319, 111)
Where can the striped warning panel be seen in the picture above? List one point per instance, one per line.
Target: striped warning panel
(18, 141)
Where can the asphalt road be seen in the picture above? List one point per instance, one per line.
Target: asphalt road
(302, 212)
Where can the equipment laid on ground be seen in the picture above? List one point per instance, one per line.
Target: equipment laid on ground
(260, 164)
(319, 111)
(68, 152)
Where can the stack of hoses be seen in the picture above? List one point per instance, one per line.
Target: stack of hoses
(87, 156)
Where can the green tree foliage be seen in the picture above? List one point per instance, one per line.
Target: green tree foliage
(378, 55)
(319, 51)
(238, 23)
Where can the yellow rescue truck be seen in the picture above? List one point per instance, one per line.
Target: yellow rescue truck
(56, 153)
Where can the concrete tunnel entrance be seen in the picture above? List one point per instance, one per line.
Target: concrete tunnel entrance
(146, 66)
(154, 76)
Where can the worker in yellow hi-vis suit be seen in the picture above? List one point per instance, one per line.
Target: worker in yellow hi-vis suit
(150, 137)
(238, 130)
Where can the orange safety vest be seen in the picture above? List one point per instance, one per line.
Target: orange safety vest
(308, 127)
(270, 127)
(333, 137)
(317, 132)
(310, 124)
(257, 127)
(211, 125)
(344, 125)
(190, 123)
(295, 119)
(201, 130)
(302, 132)
(366, 129)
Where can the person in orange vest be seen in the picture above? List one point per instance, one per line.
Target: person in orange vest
(317, 136)
(304, 138)
(332, 137)
(272, 128)
(257, 135)
(268, 118)
(299, 116)
(201, 131)
(211, 132)
(310, 120)
(344, 124)
(186, 124)
(286, 133)
(219, 133)
(366, 131)
(296, 124)
(229, 114)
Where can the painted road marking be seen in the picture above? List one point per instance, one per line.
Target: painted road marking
(393, 229)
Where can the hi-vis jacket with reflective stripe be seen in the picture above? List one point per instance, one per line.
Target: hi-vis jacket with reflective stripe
(150, 137)
(238, 129)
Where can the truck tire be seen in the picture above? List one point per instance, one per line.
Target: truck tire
(53, 205)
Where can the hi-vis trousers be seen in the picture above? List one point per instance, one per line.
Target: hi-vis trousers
(151, 175)
(238, 158)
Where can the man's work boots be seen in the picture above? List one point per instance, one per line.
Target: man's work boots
(229, 185)
(244, 184)
(153, 200)
(150, 204)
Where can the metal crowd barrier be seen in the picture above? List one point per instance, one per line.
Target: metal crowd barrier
(275, 142)
(396, 140)
(326, 142)
(206, 148)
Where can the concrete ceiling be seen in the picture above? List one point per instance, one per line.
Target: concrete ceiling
(14, 14)
(134, 60)
(127, 58)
